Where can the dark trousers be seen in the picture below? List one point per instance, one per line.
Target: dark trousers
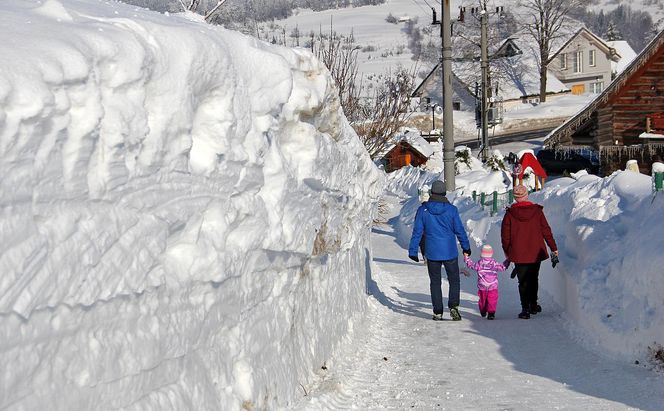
(528, 275)
(435, 273)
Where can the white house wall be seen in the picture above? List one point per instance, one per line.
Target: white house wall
(600, 72)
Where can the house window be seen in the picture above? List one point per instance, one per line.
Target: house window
(577, 62)
(591, 58)
(563, 61)
(597, 87)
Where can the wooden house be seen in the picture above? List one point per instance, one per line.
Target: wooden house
(623, 121)
(407, 149)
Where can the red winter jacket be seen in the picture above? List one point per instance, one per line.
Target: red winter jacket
(523, 233)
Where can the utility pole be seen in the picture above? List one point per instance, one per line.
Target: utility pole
(448, 124)
(484, 20)
(448, 121)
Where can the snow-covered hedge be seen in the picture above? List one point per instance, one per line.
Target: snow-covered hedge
(185, 212)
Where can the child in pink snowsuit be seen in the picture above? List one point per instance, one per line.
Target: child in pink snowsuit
(487, 280)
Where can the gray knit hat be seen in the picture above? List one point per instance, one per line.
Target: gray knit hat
(438, 187)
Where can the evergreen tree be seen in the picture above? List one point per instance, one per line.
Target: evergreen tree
(612, 32)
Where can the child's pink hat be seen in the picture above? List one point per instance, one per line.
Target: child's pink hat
(487, 251)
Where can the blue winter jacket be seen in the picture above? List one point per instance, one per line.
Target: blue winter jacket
(441, 225)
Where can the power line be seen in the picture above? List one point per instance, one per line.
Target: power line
(420, 6)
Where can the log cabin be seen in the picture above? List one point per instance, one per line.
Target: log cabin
(407, 149)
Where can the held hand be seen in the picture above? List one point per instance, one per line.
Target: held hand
(466, 252)
(414, 258)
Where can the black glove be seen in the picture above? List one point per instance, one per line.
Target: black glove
(554, 260)
(467, 252)
(414, 258)
(513, 273)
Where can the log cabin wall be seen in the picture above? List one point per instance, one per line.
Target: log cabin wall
(403, 154)
(605, 132)
(641, 95)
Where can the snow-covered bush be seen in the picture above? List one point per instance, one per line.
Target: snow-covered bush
(496, 161)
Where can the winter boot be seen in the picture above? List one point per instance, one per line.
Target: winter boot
(454, 312)
(483, 314)
(524, 315)
(491, 316)
(535, 308)
(438, 317)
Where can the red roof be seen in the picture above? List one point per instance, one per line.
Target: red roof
(529, 160)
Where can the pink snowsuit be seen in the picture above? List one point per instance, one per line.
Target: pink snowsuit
(487, 281)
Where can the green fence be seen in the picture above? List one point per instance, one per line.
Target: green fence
(493, 201)
(657, 182)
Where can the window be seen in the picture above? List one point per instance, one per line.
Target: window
(591, 58)
(563, 61)
(597, 87)
(577, 62)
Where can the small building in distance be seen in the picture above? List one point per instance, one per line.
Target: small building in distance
(406, 149)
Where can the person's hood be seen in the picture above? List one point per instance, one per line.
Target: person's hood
(525, 212)
(438, 207)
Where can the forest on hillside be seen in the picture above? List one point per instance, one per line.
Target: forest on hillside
(244, 14)
(622, 23)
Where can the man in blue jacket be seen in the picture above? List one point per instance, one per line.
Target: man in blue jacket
(439, 222)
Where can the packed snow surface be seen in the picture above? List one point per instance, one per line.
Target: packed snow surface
(185, 212)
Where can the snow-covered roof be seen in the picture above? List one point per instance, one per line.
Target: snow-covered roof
(414, 139)
(627, 55)
(652, 136)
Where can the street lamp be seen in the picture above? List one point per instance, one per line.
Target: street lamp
(435, 109)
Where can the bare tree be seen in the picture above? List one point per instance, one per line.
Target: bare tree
(546, 18)
(375, 119)
(386, 112)
(206, 11)
(339, 54)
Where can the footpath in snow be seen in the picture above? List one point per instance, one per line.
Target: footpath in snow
(402, 359)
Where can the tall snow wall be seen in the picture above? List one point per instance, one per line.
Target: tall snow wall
(185, 212)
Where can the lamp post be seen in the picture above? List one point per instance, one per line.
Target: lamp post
(435, 108)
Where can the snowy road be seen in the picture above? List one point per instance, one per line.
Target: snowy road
(404, 360)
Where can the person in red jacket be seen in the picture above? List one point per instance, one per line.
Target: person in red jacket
(523, 232)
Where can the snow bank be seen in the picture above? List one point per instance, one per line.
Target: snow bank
(609, 277)
(185, 212)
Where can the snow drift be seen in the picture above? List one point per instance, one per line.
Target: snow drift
(185, 212)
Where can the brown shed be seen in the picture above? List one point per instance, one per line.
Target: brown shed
(408, 149)
(618, 122)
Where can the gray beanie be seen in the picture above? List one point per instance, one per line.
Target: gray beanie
(438, 187)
